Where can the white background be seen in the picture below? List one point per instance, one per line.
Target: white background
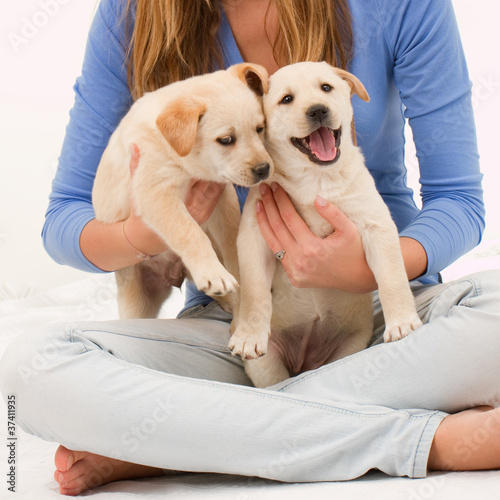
(36, 95)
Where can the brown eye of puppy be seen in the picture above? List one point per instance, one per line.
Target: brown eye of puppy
(326, 88)
(260, 129)
(226, 141)
(287, 99)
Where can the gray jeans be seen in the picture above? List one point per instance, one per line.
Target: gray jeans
(168, 393)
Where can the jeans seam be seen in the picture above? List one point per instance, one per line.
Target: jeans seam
(197, 311)
(193, 312)
(420, 443)
(330, 366)
(70, 332)
(477, 290)
(172, 340)
(258, 392)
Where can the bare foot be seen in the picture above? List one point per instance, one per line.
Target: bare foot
(78, 471)
(468, 440)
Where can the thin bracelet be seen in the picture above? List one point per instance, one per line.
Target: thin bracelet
(141, 255)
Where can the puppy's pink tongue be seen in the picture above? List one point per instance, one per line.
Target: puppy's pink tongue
(322, 144)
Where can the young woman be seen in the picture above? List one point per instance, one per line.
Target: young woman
(138, 398)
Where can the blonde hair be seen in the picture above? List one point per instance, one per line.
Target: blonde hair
(175, 39)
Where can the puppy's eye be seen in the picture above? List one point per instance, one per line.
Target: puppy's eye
(326, 88)
(260, 129)
(287, 99)
(226, 141)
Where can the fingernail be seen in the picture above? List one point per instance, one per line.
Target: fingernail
(69, 462)
(61, 478)
(274, 186)
(258, 206)
(262, 188)
(321, 201)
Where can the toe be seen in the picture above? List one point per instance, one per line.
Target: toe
(72, 492)
(81, 477)
(70, 477)
(63, 459)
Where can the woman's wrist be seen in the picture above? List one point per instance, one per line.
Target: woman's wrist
(109, 248)
(141, 237)
(104, 246)
(362, 280)
(140, 254)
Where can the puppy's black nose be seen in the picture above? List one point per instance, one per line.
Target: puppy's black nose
(261, 172)
(317, 112)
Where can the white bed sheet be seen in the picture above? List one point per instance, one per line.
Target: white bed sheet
(94, 298)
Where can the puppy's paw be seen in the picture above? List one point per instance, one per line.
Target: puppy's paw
(401, 329)
(215, 282)
(248, 345)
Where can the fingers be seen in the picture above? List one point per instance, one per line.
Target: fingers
(134, 163)
(288, 213)
(272, 226)
(134, 158)
(205, 190)
(201, 198)
(280, 223)
(266, 230)
(331, 213)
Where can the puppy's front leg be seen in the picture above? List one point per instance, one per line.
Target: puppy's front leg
(222, 229)
(267, 370)
(161, 205)
(383, 254)
(257, 266)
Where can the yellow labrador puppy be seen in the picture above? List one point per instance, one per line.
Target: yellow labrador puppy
(208, 127)
(309, 116)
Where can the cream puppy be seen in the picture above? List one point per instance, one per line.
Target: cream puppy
(208, 127)
(309, 116)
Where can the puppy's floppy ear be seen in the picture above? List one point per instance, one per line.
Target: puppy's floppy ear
(254, 75)
(356, 86)
(178, 123)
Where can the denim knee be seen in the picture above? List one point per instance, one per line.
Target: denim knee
(26, 366)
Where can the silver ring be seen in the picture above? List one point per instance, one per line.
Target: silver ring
(280, 254)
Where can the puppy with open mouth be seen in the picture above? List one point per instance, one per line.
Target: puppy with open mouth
(309, 116)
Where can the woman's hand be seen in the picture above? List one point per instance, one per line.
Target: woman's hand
(136, 231)
(337, 261)
(201, 199)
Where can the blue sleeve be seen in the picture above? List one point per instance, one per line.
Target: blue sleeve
(432, 77)
(102, 98)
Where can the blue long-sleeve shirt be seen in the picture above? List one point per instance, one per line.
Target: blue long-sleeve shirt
(408, 55)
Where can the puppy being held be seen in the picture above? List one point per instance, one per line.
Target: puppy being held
(208, 127)
(309, 116)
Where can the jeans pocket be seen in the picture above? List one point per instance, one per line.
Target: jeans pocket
(209, 311)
